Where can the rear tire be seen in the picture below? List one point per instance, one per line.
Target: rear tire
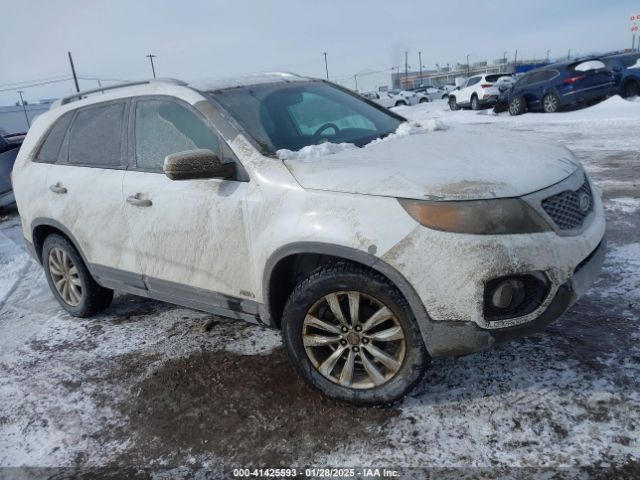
(516, 106)
(453, 104)
(343, 358)
(424, 100)
(401, 103)
(631, 89)
(551, 103)
(475, 103)
(70, 281)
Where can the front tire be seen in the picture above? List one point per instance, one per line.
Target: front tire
(551, 103)
(424, 100)
(453, 104)
(401, 103)
(69, 279)
(351, 334)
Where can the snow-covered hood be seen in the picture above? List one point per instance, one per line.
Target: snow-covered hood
(456, 164)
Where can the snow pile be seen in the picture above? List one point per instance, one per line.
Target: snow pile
(322, 150)
(315, 151)
(623, 205)
(624, 262)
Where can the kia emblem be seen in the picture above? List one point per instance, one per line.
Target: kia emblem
(584, 202)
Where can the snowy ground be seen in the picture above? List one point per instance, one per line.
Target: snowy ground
(145, 385)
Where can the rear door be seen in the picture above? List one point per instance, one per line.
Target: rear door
(188, 238)
(84, 186)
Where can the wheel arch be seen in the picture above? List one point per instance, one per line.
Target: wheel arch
(41, 228)
(277, 282)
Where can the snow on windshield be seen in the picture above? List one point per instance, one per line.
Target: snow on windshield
(327, 148)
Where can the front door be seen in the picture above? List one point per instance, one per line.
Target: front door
(188, 238)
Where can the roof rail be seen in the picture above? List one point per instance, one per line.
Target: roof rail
(78, 96)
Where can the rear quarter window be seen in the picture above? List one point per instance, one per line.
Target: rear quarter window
(495, 78)
(50, 149)
(95, 138)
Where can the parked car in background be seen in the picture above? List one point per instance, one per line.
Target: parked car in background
(236, 198)
(409, 97)
(9, 147)
(477, 92)
(446, 90)
(626, 71)
(386, 99)
(431, 93)
(557, 86)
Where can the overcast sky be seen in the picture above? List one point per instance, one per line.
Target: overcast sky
(217, 38)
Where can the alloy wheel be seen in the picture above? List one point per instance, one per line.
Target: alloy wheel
(65, 276)
(550, 104)
(360, 350)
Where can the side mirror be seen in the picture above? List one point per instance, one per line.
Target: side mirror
(194, 164)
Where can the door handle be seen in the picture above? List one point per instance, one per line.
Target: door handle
(57, 188)
(136, 201)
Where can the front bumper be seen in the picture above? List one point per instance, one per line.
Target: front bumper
(460, 338)
(449, 273)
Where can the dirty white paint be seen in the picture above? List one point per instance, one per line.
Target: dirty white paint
(219, 235)
(460, 164)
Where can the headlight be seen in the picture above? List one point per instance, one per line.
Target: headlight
(481, 217)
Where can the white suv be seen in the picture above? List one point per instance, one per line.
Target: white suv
(477, 92)
(294, 203)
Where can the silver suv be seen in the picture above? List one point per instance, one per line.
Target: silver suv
(373, 244)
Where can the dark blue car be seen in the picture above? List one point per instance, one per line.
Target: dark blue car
(559, 85)
(9, 147)
(626, 69)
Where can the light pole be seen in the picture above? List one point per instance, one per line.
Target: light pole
(24, 109)
(548, 52)
(420, 61)
(355, 77)
(326, 66)
(468, 66)
(153, 69)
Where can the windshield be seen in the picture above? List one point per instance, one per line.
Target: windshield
(295, 115)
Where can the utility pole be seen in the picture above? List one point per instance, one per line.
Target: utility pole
(406, 68)
(24, 109)
(569, 55)
(633, 43)
(73, 71)
(504, 61)
(468, 67)
(548, 52)
(515, 61)
(153, 68)
(420, 61)
(326, 66)
(355, 77)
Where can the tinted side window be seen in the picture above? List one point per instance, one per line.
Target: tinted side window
(95, 138)
(473, 81)
(163, 127)
(51, 147)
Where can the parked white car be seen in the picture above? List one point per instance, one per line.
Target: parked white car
(477, 92)
(386, 99)
(410, 98)
(293, 203)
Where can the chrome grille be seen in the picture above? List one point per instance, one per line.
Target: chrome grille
(568, 209)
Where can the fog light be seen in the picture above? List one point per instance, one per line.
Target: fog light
(505, 293)
(514, 295)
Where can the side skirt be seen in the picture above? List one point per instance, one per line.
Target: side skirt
(178, 294)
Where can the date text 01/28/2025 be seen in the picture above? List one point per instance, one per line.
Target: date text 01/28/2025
(315, 473)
